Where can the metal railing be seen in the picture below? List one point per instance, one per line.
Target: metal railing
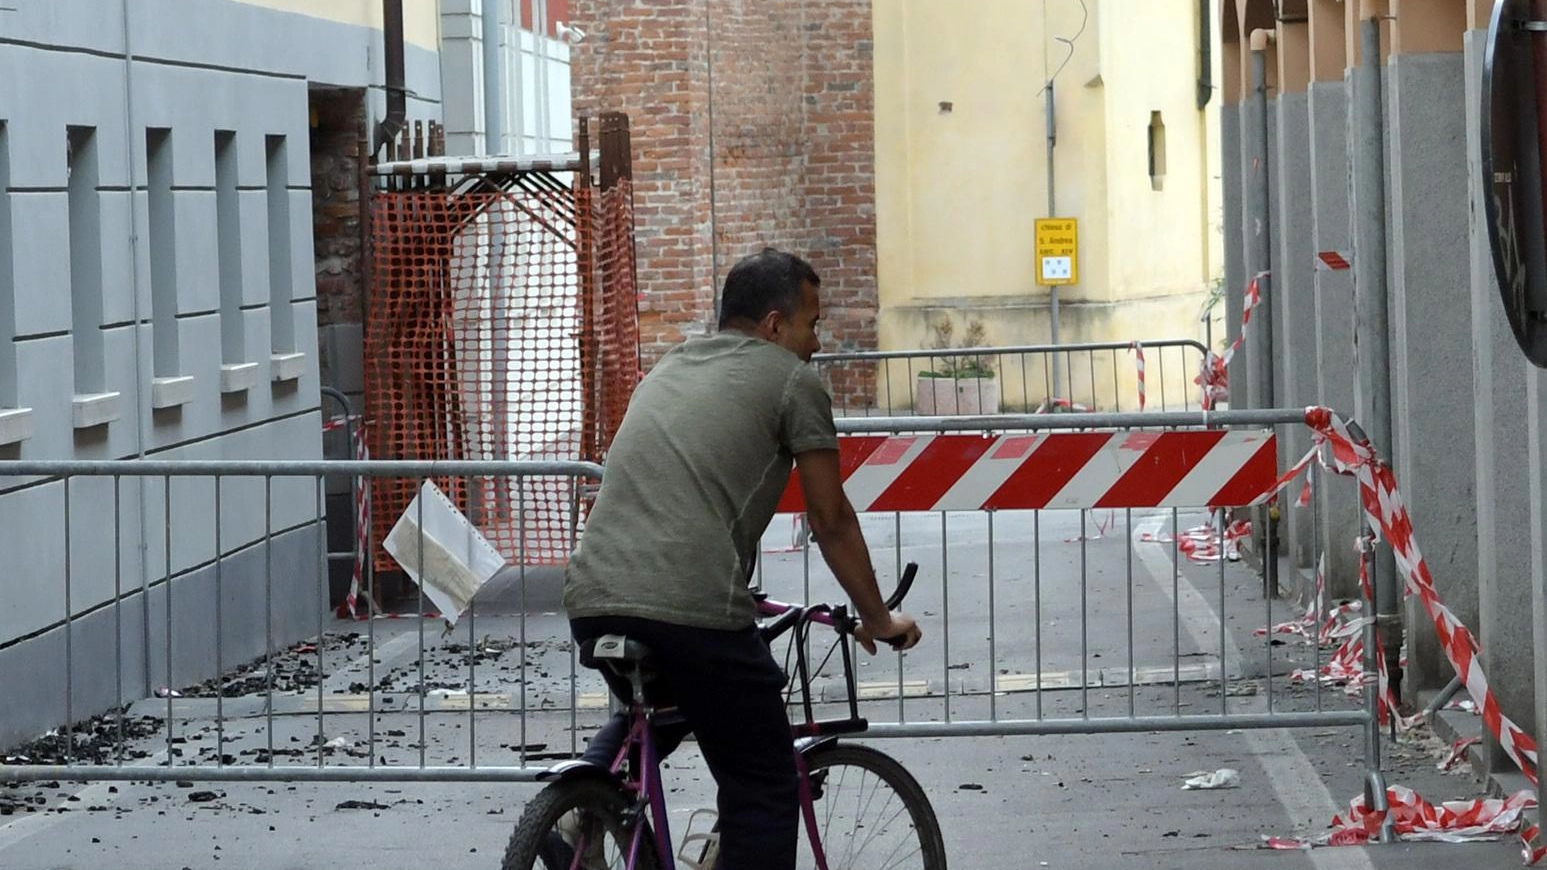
(1098, 376)
(1039, 622)
(217, 656)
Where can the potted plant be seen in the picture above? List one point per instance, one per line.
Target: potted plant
(957, 383)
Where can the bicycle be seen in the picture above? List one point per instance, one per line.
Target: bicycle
(859, 807)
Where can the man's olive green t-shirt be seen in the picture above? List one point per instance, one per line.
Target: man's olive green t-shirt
(692, 480)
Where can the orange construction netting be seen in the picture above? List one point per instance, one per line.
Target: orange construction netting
(502, 324)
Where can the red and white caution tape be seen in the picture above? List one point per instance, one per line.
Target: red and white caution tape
(1305, 624)
(1386, 510)
(1205, 544)
(349, 609)
(1531, 850)
(1384, 507)
(1214, 376)
(1458, 752)
(362, 527)
(1416, 819)
(1138, 351)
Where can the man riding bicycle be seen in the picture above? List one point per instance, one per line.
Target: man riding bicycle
(693, 478)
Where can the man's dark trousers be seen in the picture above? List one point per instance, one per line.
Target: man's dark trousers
(730, 690)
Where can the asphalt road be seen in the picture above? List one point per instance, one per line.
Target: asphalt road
(1055, 800)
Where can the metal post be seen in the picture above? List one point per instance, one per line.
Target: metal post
(493, 91)
(1052, 211)
(1259, 254)
(1259, 262)
(1372, 386)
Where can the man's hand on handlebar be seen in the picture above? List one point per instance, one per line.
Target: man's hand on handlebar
(900, 632)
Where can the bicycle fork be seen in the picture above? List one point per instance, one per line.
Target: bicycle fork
(808, 810)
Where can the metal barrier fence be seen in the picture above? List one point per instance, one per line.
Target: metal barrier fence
(235, 668)
(1063, 601)
(1100, 376)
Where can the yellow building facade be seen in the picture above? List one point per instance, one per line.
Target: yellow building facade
(962, 169)
(421, 18)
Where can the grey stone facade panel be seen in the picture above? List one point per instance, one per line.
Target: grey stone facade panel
(35, 539)
(1294, 291)
(198, 270)
(1432, 338)
(199, 66)
(1235, 242)
(1338, 497)
(1503, 494)
(40, 222)
(110, 640)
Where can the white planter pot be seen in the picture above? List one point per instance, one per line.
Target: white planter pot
(945, 397)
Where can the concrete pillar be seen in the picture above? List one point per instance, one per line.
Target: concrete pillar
(1257, 133)
(1234, 238)
(1294, 289)
(1432, 337)
(1503, 493)
(1235, 296)
(1536, 479)
(1327, 108)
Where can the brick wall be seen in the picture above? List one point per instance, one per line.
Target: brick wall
(787, 160)
(337, 233)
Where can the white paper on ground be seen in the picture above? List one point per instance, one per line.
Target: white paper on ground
(456, 558)
(1223, 778)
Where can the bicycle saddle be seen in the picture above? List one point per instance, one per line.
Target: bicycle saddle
(613, 649)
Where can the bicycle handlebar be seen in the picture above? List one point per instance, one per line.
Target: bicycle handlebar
(839, 618)
(904, 584)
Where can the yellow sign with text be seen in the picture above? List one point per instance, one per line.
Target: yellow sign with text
(1058, 251)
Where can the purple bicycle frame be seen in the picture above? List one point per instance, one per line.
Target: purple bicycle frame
(649, 776)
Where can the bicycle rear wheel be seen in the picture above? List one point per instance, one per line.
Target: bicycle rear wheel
(582, 824)
(871, 814)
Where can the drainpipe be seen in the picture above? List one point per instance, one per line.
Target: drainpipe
(1048, 106)
(142, 364)
(389, 126)
(493, 81)
(1259, 263)
(1205, 54)
(1367, 159)
(1259, 254)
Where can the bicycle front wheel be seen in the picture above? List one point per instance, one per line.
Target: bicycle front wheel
(871, 814)
(585, 824)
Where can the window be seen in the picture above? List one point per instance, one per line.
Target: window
(85, 261)
(1157, 151)
(161, 243)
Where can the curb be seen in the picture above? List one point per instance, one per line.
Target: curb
(1453, 725)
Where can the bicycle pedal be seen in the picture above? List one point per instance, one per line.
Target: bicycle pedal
(701, 850)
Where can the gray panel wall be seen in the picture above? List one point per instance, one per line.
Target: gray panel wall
(1295, 305)
(107, 663)
(1432, 339)
(199, 66)
(1503, 492)
(1231, 117)
(1230, 192)
(1338, 497)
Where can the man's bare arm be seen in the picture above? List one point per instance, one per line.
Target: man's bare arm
(838, 534)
